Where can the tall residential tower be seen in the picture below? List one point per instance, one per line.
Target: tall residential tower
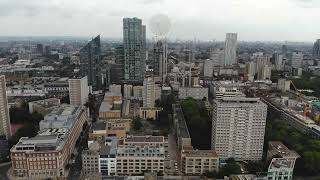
(89, 62)
(316, 49)
(134, 44)
(230, 49)
(238, 127)
(160, 60)
(4, 111)
(78, 91)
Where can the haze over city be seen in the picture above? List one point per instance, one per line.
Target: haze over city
(263, 20)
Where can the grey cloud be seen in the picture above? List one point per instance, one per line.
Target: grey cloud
(307, 3)
(152, 1)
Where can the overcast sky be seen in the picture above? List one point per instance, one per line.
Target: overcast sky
(293, 20)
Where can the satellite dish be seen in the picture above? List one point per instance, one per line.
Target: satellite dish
(160, 25)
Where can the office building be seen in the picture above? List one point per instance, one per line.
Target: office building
(134, 45)
(278, 61)
(44, 106)
(138, 154)
(148, 92)
(160, 60)
(230, 49)
(137, 92)
(110, 106)
(197, 162)
(78, 91)
(90, 63)
(264, 73)
(194, 92)
(284, 85)
(316, 49)
(115, 89)
(208, 68)
(127, 91)
(226, 89)
(100, 158)
(238, 128)
(296, 59)
(217, 56)
(47, 154)
(251, 68)
(4, 110)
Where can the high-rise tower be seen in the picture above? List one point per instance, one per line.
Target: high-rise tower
(4, 111)
(316, 49)
(238, 127)
(230, 49)
(160, 60)
(89, 62)
(134, 44)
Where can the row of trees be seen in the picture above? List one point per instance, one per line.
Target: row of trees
(29, 122)
(198, 122)
(307, 81)
(308, 148)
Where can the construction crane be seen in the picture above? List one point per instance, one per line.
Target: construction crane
(306, 106)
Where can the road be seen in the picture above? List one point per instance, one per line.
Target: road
(171, 156)
(3, 171)
(76, 167)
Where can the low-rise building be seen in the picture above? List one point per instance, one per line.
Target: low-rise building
(197, 162)
(100, 158)
(102, 129)
(150, 112)
(47, 154)
(194, 92)
(282, 166)
(44, 106)
(138, 154)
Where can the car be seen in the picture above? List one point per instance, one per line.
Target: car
(176, 164)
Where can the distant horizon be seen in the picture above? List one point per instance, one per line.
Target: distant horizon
(83, 37)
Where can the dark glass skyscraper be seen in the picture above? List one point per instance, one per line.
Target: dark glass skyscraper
(316, 49)
(160, 60)
(89, 62)
(134, 44)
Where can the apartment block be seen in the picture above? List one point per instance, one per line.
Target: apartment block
(78, 91)
(138, 154)
(197, 162)
(238, 128)
(44, 106)
(5, 129)
(47, 154)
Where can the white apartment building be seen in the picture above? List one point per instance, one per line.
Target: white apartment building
(148, 92)
(208, 68)
(296, 59)
(238, 128)
(137, 92)
(283, 85)
(115, 89)
(230, 50)
(78, 91)
(4, 111)
(127, 90)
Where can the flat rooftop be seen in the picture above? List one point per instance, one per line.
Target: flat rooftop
(144, 139)
(200, 153)
(183, 129)
(278, 163)
(278, 148)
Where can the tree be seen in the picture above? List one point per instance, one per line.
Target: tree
(136, 123)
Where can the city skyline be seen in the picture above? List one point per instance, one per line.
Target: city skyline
(290, 20)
